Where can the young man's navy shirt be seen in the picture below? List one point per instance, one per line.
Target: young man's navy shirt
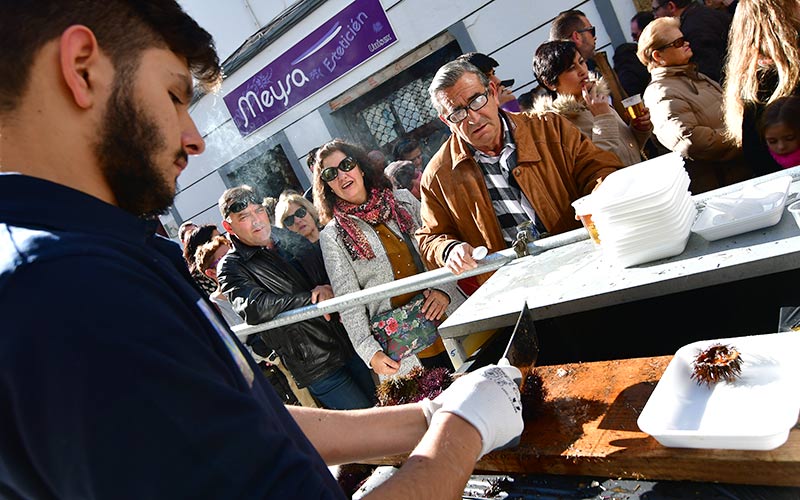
(114, 380)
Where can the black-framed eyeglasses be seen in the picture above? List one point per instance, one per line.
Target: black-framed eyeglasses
(330, 173)
(590, 29)
(238, 206)
(477, 102)
(675, 44)
(658, 6)
(299, 213)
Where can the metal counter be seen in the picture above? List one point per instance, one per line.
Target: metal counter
(577, 277)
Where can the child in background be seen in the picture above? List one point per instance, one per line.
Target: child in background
(780, 128)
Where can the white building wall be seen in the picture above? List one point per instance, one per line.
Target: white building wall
(508, 30)
(232, 21)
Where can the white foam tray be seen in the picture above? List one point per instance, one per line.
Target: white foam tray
(755, 412)
(754, 207)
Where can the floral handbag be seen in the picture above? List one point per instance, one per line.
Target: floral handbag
(404, 331)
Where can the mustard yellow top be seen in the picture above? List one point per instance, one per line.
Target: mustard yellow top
(403, 266)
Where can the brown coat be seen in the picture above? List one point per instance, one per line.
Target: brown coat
(556, 165)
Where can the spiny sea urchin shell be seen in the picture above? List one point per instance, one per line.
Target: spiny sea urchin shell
(417, 384)
(717, 362)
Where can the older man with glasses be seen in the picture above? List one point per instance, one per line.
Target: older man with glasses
(271, 270)
(704, 28)
(498, 170)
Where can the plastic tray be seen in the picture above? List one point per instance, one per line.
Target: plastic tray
(754, 207)
(755, 412)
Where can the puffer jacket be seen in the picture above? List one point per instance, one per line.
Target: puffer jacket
(348, 275)
(260, 284)
(607, 131)
(686, 111)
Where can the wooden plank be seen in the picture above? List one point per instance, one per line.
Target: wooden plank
(586, 425)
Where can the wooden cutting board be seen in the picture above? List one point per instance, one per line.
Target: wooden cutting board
(586, 425)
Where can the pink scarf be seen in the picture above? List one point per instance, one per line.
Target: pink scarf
(379, 208)
(788, 160)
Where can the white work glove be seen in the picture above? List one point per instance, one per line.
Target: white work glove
(489, 400)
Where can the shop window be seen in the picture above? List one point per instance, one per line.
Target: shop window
(265, 168)
(400, 107)
(404, 110)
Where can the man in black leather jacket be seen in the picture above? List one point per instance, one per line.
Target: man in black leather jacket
(272, 270)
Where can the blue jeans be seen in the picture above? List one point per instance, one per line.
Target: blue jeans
(348, 388)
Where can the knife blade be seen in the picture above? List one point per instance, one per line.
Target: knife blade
(522, 350)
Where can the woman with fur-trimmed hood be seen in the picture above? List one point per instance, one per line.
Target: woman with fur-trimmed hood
(582, 97)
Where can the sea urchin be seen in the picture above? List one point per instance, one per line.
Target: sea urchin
(717, 362)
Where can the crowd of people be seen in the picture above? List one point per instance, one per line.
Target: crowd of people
(152, 383)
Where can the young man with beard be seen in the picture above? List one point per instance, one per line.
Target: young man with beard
(136, 388)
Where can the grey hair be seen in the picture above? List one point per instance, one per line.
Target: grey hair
(448, 75)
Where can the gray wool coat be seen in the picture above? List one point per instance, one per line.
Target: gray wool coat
(348, 276)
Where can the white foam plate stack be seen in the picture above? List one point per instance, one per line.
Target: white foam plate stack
(644, 212)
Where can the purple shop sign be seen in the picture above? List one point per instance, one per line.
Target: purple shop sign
(356, 33)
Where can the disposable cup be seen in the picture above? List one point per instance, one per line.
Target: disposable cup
(794, 209)
(634, 106)
(584, 212)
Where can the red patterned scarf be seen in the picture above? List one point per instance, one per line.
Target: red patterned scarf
(379, 208)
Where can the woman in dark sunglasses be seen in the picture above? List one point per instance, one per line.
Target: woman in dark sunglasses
(297, 214)
(368, 240)
(686, 108)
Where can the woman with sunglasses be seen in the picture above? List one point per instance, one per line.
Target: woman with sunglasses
(298, 215)
(686, 108)
(582, 98)
(368, 241)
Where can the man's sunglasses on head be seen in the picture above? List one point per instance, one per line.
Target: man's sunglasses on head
(239, 205)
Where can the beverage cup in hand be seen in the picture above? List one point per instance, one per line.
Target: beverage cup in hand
(583, 211)
(634, 106)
